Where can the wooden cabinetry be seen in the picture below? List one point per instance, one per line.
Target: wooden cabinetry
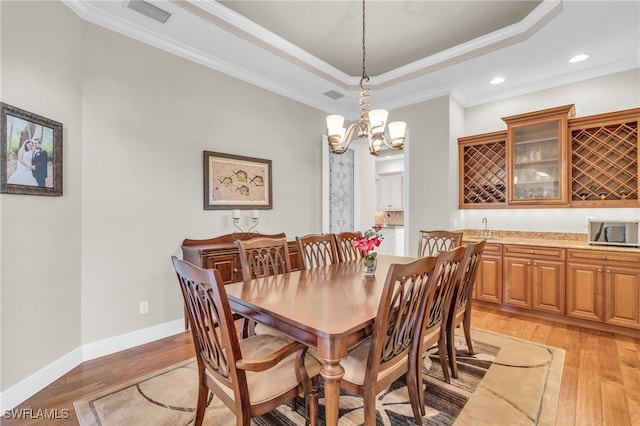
(534, 278)
(389, 192)
(604, 160)
(221, 253)
(482, 176)
(537, 156)
(488, 285)
(604, 286)
(549, 158)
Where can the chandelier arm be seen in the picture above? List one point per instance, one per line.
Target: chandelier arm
(339, 145)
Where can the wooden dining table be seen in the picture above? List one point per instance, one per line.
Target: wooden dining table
(330, 308)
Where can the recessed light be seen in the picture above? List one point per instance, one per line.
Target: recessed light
(578, 58)
(497, 80)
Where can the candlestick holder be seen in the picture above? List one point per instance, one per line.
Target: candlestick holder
(243, 234)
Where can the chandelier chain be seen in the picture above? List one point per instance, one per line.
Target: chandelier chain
(364, 50)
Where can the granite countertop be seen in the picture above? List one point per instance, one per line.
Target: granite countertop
(543, 239)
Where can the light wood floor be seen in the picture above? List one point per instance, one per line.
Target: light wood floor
(600, 383)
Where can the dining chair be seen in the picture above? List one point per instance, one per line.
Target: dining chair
(392, 350)
(315, 250)
(263, 256)
(251, 376)
(344, 244)
(460, 311)
(433, 242)
(443, 279)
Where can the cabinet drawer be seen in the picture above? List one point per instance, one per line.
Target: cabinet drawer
(529, 251)
(492, 249)
(602, 255)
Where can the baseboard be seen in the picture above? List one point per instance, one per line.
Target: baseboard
(33, 384)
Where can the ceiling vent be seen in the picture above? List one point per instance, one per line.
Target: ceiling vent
(149, 10)
(334, 95)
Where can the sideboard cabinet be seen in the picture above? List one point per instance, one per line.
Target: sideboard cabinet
(222, 253)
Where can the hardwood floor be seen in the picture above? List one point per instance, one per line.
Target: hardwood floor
(600, 383)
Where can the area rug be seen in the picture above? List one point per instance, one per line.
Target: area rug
(507, 381)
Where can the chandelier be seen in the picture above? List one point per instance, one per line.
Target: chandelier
(371, 124)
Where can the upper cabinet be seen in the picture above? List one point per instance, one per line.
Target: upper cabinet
(537, 157)
(482, 176)
(551, 159)
(604, 160)
(389, 192)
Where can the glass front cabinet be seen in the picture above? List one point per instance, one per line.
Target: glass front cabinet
(537, 156)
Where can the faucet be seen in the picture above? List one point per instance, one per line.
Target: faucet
(485, 232)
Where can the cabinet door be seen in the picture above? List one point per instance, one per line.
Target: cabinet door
(548, 286)
(517, 288)
(537, 156)
(488, 286)
(388, 244)
(622, 295)
(585, 288)
(389, 193)
(227, 265)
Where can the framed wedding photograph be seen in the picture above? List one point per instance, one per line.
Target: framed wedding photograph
(30, 153)
(236, 182)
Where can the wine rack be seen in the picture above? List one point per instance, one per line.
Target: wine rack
(604, 160)
(483, 170)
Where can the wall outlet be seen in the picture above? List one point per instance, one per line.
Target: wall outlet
(144, 307)
(455, 223)
(587, 219)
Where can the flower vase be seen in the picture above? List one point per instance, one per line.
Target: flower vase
(369, 264)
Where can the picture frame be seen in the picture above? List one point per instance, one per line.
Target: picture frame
(236, 182)
(27, 167)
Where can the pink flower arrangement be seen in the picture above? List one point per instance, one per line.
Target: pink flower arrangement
(369, 241)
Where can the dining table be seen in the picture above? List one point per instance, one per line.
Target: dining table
(329, 308)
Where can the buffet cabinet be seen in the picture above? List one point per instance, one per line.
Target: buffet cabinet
(222, 253)
(587, 287)
(550, 158)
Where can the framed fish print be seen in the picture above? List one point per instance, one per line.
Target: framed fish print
(236, 182)
(30, 153)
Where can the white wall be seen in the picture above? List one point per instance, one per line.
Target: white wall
(136, 122)
(600, 95)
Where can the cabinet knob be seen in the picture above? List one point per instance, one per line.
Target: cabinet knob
(608, 271)
(599, 270)
(604, 257)
(533, 252)
(535, 264)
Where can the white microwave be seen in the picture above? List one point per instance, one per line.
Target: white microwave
(614, 233)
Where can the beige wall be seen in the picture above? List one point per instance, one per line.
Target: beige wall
(40, 71)
(427, 167)
(136, 121)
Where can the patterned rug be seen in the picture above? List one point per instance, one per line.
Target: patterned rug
(507, 381)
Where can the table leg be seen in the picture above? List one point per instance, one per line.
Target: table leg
(332, 372)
